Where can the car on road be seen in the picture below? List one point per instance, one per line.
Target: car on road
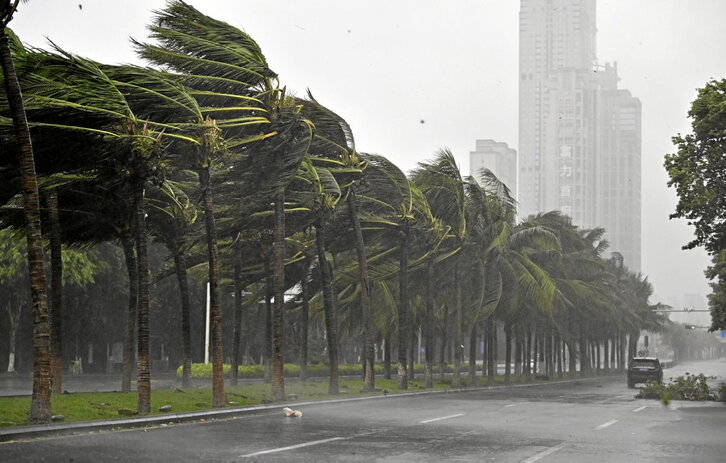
(644, 369)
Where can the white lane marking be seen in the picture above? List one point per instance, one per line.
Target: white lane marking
(516, 405)
(544, 453)
(293, 447)
(640, 408)
(441, 418)
(605, 425)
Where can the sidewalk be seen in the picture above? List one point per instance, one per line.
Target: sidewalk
(16, 384)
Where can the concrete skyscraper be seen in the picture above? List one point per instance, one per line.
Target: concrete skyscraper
(579, 135)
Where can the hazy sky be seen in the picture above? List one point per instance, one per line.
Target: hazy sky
(412, 76)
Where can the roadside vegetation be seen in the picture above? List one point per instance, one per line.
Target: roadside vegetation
(84, 406)
(689, 387)
(200, 180)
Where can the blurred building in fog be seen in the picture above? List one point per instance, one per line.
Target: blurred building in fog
(499, 158)
(579, 135)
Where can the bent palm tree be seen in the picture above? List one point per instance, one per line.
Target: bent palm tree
(40, 406)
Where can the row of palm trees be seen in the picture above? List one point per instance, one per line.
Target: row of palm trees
(207, 153)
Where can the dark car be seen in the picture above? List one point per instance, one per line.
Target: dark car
(644, 369)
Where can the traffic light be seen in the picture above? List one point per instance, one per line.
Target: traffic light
(689, 327)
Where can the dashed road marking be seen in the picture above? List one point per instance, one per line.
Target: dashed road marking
(640, 409)
(441, 418)
(605, 425)
(293, 447)
(516, 404)
(544, 453)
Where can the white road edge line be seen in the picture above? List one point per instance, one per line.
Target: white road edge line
(605, 425)
(544, 453)
(293, 447)
(640, 408)
(441, 418)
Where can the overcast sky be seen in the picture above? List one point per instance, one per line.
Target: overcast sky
(412, 76)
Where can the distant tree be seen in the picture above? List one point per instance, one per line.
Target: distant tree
(80, 267)
(696, 172)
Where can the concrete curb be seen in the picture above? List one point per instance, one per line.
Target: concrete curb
(82, 427)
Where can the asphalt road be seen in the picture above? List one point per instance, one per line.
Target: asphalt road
(591, 420)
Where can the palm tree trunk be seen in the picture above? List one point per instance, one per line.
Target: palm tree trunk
(429, 323)
(369, 354)
(40, 405)
(56, 295)
(518, 354)
(528, 357)
(215, 291)
(181, 277)
(267, 346)
(572, 357)
(537, 352)
(491, 357)
(13, 308)
(458, 328)
(387, 356)
(507, 353)
(584, 358)
(132, 269)
(278, 339)
(403, 312)
(237, 311)
(411, 352)
(598, 366)
(329, 304)
(549, 359)
(304, 317)
(444, 341)
(558, 354)
(143, 361)
(472, 355)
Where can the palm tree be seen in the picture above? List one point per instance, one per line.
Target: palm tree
(320, 198)
(40, 406)
(334, 141)
(226, 72)
(441, 182)
(392, 206)
(171, 219)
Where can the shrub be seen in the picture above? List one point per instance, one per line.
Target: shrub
(292, 370)
(722, 393)
(687, 387)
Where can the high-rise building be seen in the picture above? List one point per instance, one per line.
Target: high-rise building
(579, 135)
(619, 186)
(499, 158)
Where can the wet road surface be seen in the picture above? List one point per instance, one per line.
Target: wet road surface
(590, 420)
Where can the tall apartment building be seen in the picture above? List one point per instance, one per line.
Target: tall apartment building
(619, 181)
(497, 157)
(579, 135)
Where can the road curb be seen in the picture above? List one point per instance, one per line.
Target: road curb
(83, 427)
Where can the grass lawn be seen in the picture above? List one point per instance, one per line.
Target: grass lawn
(83, 406)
